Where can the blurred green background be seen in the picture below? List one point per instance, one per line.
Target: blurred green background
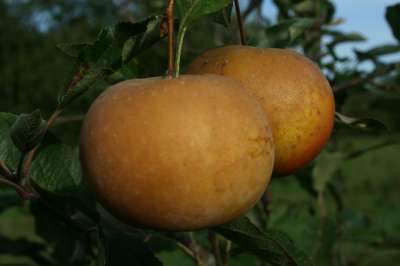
(341, 210)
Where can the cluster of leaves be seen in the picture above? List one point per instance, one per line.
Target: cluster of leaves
(309, 219)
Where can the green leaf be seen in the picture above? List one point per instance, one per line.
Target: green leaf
(325, 244)
(177, 257)
(24, 247)
(127, 71)
(286, 32)
(28, 130)
(89, 79)
(115, 44)
(62, 238)
(377, 51)
(113, 52)
(8, 152)
(57, 169)
(73, 50)
(305, 7)
(223, 16)
(138, 43)
(393, 18)
(190, 10)
(272, 246)
(122, 249)
(340, 38)
(311, 8)
(326, 166)
(359, 123)
(56, 175)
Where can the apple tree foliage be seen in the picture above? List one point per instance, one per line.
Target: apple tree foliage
(340, 210)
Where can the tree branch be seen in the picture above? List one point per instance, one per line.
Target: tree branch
(253, 5)
(187, 243)
(240, 23)
(167, 25)
(22, 192)
(358, 153)
(361, 80)
(79, 75)
(4, 171)
(68, 119)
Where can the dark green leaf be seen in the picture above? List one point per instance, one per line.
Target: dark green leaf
(223, 16)
(22, 247)
(305, 7)
(113, 52)
(56, 175)
(287, 31)
(116, 44)
(377, 51)
(89, 80)
(28, 130)
(274, 247)
(62, 236)
(311, 8)
(326, 166)
(57, 169)
(8, 199)
(73, 50)
(122, 249)
(359, 123)
(326, 242)
(194, 9)
(340, 38)
(393, 18)
(362, 151)
(128, 71)
(8, 152)
(189, 11)
(304, 177)
(138, 43)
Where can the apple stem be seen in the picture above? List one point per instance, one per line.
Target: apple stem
(169, 20)
(240, 23)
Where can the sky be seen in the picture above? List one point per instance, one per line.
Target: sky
(364, 16)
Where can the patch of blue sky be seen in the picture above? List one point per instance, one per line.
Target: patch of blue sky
(366, 17)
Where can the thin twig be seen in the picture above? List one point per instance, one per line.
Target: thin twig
(216, 248)
(186, 250)
(32, 153)
(361, 80)
(20, 165)
(79, 75)
(356, 154)
(169, 20)
(22, 192)
(227, 252)
(240, 23)
(254, 4)
(188, 244)
(68, 119)
(4, 171)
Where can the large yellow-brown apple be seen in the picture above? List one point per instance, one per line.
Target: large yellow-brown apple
(295, 95)
(177, 154)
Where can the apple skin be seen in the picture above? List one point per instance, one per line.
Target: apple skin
(177, 154)
(295, 95)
